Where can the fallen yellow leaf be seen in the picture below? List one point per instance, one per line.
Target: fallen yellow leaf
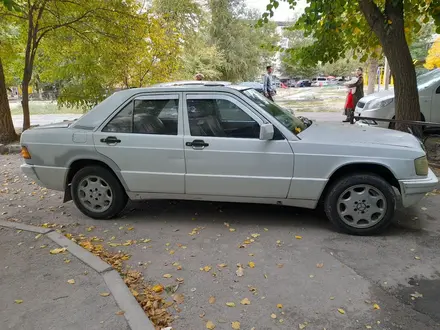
(417, 257)
(179, 298)
(226, 224)
(231, 229)
(207, 268)
(210, 325)
(222, 265)
(120, 313)
(376, 306)
(279, 305)
(172, 252)
(265, 229)
(245, 301)
(167, 275)
(273, 315)
(298, 237)
(18, 301)
(57, 251)
(319, 265)
(341, 311)
(239, 272)
(251, 264)
(38, 236)
(66, 261)
(235, 325)
(230, 304)
(175, 264)
(114, 244)
(130, 228)
(368, 327)
(302, 325)
(255, 235)
(147, 240)
(71, 281)
(104, 294)
(211, 300)
(157, 288)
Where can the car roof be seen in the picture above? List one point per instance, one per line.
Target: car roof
(193, 83)
(100, 112)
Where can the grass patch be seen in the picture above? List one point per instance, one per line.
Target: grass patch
(43, 108)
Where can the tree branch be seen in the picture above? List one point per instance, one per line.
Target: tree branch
(57, 26)
(374, 16)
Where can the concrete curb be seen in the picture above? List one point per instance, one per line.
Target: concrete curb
(10, 149)
(134, 314)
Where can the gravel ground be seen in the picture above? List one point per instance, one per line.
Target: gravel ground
(297, 272)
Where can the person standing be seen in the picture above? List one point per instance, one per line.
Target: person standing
(357, 89)
(199, 76)
(268, 89)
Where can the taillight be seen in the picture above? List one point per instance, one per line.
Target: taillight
(25, 153)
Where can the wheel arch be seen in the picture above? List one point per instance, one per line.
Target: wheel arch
(80, 163)
(357, 167)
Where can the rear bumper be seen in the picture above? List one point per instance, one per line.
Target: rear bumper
(412, 191)
(46, 176)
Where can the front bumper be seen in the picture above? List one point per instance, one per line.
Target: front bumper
(46, 176)
(412, 191)
(373, 113)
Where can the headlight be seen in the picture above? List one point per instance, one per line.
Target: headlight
(421, 166)
(379, 103)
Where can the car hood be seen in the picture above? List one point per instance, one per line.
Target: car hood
(379, 95)
(331, 133)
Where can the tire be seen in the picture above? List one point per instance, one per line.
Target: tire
(108, 192)
(371, 210)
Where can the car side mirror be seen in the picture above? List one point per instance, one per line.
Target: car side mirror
(266, 132)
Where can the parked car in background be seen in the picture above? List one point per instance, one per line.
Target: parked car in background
(228, 144)
(304, 83)
(381, 104)
(319, 82)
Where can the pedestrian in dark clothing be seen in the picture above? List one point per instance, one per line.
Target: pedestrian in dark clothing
(268, 89)
(357, 89)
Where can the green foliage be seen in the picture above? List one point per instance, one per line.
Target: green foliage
(339, 26)
(244, 47)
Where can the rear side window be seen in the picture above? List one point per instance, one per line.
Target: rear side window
(159, 117)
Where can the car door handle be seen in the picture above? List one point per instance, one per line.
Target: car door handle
(111, 140)
(197, 144)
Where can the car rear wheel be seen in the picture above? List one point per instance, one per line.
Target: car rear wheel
(97, 193)
(361, 204)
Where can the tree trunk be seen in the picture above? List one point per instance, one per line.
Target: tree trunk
(372, 73)
(25, 104)
(389, 27)
(7, 131)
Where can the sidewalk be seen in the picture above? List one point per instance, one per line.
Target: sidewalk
(35, 293)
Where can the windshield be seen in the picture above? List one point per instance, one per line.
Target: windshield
(428, 78)
(284, 116)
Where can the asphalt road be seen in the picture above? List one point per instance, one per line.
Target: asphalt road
(321, 278)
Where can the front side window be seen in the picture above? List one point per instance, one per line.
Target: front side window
(220, 118)
(158, 117)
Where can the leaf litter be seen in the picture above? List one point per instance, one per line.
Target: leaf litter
(148, 296)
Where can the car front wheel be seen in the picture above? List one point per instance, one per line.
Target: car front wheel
(97, 193)
(361, 204)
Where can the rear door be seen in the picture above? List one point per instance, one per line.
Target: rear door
(224, 155)
(145, 140)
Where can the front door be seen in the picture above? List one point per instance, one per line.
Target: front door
(224, 155)
(145, 140)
